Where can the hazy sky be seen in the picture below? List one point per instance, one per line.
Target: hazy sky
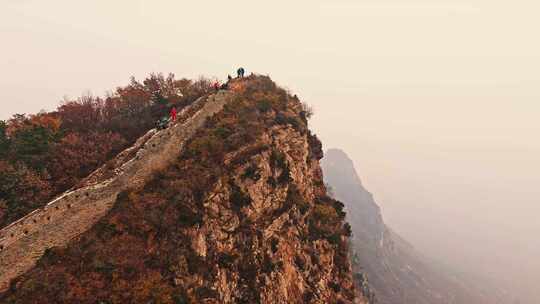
(437, 101)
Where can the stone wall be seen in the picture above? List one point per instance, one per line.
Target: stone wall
(24, 242)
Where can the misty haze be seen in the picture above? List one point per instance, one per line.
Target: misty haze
(433, 105)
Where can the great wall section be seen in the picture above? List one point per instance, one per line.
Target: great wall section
(22, 243)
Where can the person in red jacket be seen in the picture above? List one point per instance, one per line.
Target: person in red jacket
(173, 114)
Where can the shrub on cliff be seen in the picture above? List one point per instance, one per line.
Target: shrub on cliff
(295, 198)
(251, 172)
(238, 198)
(264, 105)
(326, 221)
(315, 145)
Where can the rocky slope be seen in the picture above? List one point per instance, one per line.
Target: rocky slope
(397, 272)
(241, 216)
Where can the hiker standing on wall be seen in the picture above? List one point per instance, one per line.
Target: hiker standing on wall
(173, 114)
(216, 85)
(241, 72)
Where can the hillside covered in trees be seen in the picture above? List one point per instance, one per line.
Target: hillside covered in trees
(45, 154)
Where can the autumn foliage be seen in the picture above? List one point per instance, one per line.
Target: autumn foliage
(141, 251)
(45, 154)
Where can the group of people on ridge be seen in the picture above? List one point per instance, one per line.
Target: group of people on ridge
(165, 121)
(240, 74)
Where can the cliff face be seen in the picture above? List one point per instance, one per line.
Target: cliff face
(240, 216)
(397, 272)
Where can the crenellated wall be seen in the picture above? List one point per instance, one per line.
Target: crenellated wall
(24, 242)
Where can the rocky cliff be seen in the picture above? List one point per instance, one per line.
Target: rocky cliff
(396, 272)
(239, 215)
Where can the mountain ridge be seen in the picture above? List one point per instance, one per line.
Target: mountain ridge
(241, 215)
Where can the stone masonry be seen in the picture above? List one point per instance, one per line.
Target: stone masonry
(24, 242)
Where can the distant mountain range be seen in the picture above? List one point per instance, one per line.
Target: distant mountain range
(396, 272)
